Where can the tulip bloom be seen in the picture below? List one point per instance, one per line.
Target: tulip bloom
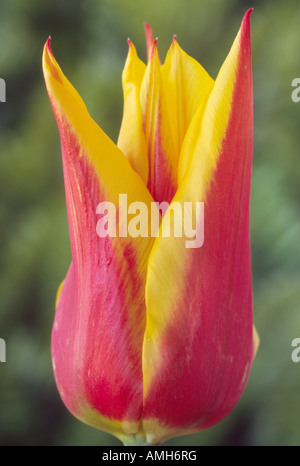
(151, 339)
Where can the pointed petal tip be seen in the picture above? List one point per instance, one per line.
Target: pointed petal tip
(148, 30)
(50, 65)
(245, 31)
(248, 13)
(48, 45)
(47, 51)
(48, 55)
(149, 39)
(131, 49)
(174, 42)
(151, 43)
(153, 50)
(246, 19)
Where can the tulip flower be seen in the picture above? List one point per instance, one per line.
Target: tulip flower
(151, 339)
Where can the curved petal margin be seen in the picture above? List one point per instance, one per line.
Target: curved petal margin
(198, 345)
(100, 317)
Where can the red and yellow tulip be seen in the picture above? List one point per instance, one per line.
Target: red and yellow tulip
(151, 339)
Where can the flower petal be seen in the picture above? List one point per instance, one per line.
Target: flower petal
(132, 139)
(100, 318)
(198, 345)
(162, 179)
(149, 40)
(188, 86)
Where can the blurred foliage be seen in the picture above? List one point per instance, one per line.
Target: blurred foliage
(89, 41)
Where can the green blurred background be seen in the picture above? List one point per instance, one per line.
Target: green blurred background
(89, 41)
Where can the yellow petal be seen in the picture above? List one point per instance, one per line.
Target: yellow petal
(188, 86)
(162, 179)
(132, 140)
(100, 318)
(198, 344)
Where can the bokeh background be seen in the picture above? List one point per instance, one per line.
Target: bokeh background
(89, 41)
